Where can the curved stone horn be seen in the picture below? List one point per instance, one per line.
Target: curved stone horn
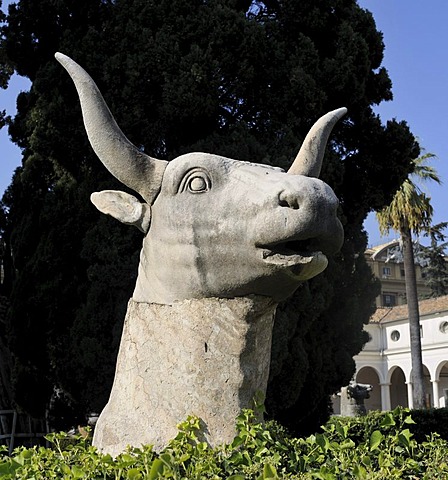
(309, 159)
(123, 159)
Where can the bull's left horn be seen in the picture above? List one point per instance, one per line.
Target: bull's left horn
(309, 159)
(124, 160)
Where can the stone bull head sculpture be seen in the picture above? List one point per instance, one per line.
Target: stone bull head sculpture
(224, 242)
(352, 399)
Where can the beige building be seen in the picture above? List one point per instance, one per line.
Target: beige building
(385, 361)
(387, 265)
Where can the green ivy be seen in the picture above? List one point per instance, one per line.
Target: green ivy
(377, 446)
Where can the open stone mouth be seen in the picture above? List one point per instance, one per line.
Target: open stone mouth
(290, 253)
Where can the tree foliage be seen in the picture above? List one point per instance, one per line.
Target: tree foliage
(411, 207)
(244, 79)
(436, 272)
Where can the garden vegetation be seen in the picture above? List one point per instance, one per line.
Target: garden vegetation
(377, 446)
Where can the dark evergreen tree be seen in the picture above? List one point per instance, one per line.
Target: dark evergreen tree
(244, 79)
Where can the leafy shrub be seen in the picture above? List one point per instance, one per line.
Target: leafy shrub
(378, 446)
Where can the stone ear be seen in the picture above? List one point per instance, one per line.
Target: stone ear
(124, 207)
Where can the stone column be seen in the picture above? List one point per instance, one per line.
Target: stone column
(385, 396)
(435, 393)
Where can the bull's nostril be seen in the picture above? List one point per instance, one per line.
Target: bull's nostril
(288, 200)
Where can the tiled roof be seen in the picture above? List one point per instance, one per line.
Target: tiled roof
(426, 307)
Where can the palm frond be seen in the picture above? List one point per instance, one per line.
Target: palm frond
(410, 208)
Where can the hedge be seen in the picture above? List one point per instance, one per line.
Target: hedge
(377, 446)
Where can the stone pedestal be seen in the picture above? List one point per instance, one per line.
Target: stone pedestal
(206, 357)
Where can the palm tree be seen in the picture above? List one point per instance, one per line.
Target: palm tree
(411, 212)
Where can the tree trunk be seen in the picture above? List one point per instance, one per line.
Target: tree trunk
(418, 384)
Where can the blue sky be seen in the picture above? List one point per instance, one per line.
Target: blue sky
(416, 57)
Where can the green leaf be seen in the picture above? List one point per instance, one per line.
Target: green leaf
(409, 420)
(247, 458)
(27, 453)
(77, 472)
(8, 467)
(375, 439)
(236, 458)
(346, 444)
(359, 472)
(156, 469)
(134, 474)
(260, 451)
(237, 441)
(398, 410)
(384, 461)
(324, 474)
(342, 430)
(184, 457)
(269, 472)
(167, 459)
(322, 441)
(388, 420)
(107, 459)
(126, 458)
(404, 438)
(19, 459)
(366, 460)
(236, 477)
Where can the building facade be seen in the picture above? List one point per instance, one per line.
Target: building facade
(385, 361)
(387, 265)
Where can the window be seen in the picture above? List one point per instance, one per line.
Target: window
(402, 272)
(444, 327)
(386, 272)
(395, 336)
(389, 300)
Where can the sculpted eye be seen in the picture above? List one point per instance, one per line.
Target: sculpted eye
(195, 181)
(197, 184)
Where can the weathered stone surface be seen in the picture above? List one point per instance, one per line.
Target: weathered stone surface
(254, 230)
(205, 357)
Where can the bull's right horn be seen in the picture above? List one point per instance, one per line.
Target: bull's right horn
(124, 160)
(309, 159)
